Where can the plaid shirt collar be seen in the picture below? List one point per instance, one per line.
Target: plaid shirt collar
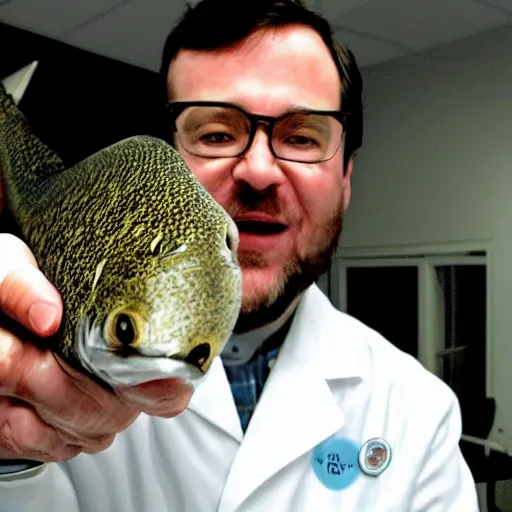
(248, 378)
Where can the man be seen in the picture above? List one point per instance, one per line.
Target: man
(345, 420)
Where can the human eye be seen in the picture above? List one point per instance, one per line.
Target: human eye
(216, 138)
(218, 132)
(302, 132)
(305, 141)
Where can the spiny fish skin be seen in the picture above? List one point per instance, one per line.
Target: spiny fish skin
(127, 231)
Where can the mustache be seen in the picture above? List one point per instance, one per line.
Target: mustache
(247, 200)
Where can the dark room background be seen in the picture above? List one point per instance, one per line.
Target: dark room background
(79, 102)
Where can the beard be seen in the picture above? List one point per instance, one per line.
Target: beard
(297, 275)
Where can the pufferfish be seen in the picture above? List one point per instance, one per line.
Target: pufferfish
(142, 255)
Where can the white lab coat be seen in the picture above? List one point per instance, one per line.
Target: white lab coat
(334, 376)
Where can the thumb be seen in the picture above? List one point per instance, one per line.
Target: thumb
(25, 293)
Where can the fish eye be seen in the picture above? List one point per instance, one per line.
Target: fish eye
(125, 330)
(123, 327)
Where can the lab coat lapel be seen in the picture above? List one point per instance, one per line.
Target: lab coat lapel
(213, 401)
(296, 410)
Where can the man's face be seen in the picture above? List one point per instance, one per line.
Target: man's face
(289, 214)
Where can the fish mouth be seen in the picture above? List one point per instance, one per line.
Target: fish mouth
(197, 357)
(120, 368)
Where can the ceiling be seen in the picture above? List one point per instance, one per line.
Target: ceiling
(133, 31)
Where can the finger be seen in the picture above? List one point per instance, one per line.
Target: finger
(103, 410)
(25, 294)
(74, 405)
(23, 435)
(165, 398)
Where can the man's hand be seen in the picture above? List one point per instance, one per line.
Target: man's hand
(48, 410)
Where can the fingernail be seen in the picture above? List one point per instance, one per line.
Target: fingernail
(42, 316)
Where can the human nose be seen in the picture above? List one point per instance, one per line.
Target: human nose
(258, 167)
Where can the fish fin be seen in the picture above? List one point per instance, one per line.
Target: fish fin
(17, 83)
(24, 155)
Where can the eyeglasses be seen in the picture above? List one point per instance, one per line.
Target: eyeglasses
(212, 129)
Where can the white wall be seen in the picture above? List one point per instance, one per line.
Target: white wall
(436, 167)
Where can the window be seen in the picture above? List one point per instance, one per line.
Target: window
(432, 306)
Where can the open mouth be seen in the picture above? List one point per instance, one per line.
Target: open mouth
(259, 228)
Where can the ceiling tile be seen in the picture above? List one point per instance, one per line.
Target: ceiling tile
(421, 25)
(505, 6)
(330, 8)
(52, 17)
(368, 52)
(134, 33)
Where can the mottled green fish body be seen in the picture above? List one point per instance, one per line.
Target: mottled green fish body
(144, 258)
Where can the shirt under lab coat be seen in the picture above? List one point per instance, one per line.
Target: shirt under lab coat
(334, 378)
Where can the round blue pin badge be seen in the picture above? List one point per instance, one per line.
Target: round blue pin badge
(335, 463)
(375, 456)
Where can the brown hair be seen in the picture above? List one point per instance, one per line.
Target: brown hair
(215, 24)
